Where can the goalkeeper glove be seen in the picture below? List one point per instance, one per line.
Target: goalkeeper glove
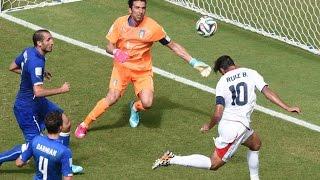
(120, 56)
(202, 67)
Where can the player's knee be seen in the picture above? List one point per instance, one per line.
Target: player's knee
(256, 146)
(214, 168)
(146, 103)
(112, 97)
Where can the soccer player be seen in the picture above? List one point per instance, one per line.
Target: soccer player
(130, 39)
(53, 159)
(31, 105)
(235, 101)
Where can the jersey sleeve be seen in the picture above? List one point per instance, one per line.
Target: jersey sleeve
(220, 95)
(219, 89)
(113, 33)
(19, 59)
(158, 33)
(66, 163)
(26, 155)
(259, 81)
(36, 70)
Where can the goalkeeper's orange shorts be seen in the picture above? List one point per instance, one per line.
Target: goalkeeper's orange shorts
(122, 76)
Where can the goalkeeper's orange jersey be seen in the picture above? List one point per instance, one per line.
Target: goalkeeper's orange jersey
(137, 41)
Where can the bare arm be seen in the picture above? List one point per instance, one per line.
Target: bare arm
(179, 50)
(40, 91)
(215, 118)
(14, 67)
(273, 97)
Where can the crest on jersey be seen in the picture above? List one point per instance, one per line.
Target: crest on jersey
(142, 32)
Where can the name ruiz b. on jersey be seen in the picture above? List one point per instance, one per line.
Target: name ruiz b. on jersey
(236, 76)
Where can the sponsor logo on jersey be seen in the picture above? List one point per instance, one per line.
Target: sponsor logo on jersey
(38, 71)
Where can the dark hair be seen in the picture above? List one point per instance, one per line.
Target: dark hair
(53, 122)
(130, 2)
(223, 62)
(38, 36)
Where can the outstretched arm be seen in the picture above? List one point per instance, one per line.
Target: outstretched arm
(202, 67)
(40, 91)
(180, 51)
(273, 97)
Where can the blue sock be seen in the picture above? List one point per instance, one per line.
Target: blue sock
(65, 138)
(10, 155)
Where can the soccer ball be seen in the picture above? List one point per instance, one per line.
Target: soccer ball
(206, 26)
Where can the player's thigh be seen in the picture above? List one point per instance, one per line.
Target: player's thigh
(143, 81)
(120, 78)
(28, 123)
(46, 106)
(231, 136)
(253, 142)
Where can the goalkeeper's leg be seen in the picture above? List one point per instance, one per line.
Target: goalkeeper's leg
(118, 82)
(98, 110)
(143, 86)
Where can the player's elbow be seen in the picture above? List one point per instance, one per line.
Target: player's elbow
(217, 118)
(37, 93)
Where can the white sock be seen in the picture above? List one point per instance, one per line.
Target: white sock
(253, 163)
(195, 160)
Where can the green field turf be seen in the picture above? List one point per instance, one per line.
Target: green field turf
(113, 150)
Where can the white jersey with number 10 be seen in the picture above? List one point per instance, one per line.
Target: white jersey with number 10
(237, 87)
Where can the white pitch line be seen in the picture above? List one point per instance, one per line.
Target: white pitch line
(162, 73)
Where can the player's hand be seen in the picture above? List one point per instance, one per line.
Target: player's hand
(205, 128)
(65, 87)
(202, 67)
(294, 110)
(47, 75)
(120, 56)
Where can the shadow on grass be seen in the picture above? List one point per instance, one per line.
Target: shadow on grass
(24, 170)
(151, 118)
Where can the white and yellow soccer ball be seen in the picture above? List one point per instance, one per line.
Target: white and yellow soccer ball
(206, 26)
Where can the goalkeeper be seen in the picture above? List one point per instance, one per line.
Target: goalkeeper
(130, 39)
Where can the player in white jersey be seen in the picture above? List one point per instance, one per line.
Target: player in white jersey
(235, 101)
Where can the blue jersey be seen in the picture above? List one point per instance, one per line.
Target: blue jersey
(53, 159)
(32, 65)
(29, 110)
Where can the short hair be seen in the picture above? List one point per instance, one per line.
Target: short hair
(223, 62)
(130, 2)
(38, 36)
(53, 121)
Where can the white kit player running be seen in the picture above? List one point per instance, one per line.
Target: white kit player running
(235, 101)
